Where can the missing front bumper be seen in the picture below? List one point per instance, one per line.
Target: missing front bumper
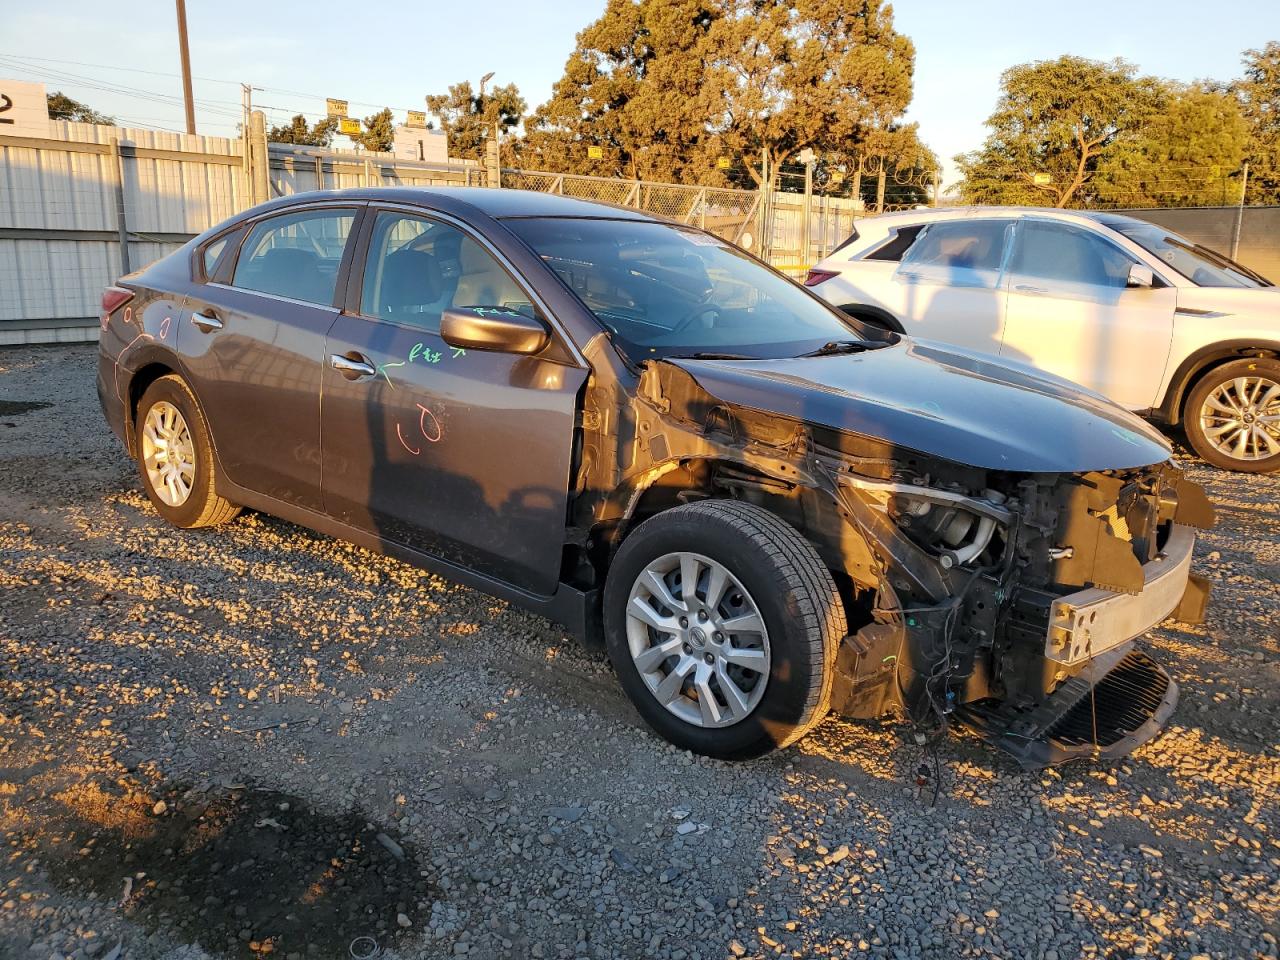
(1115, 706)
(1091, 622)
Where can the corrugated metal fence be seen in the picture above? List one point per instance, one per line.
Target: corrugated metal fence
(86, 205)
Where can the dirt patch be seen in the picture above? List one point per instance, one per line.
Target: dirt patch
(243, 872)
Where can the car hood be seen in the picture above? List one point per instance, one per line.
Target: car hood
(922, 396)
(1262, 303)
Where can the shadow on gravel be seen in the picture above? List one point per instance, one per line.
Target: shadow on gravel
(13, 408)
(242, 872)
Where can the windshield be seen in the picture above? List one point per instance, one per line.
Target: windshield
(663, 291)
(1200, 265)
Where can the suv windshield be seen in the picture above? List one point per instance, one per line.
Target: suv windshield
(1200, 265)
(663, 291)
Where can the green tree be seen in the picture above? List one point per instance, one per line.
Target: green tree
(62, 107)
(468, 119)
(379, 131)
(1184, 154)
(819, 74)
(640, 88)
(1053, 123)
(1259, 94)
(663, 88)
(299, 131)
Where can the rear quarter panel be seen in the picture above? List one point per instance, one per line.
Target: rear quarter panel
(142, 332)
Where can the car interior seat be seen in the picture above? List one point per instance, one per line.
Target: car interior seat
(291, 272)
(410, 286)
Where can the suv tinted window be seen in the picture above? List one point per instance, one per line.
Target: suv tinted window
(898, 244)
(1061, 253)
(296, 255)
(958, 253)
(417, 268)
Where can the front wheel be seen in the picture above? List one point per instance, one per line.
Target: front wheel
(723, 625)
(1232, 416)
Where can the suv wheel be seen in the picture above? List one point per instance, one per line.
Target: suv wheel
(723, 624)
(175, 456)
(1232, 416)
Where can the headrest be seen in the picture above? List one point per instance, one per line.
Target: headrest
(410, 278)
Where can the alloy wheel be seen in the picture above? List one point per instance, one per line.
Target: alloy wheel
(1241, 418)
(698, 640)
(168, 453)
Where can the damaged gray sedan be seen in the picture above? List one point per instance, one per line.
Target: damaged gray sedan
(765, 511)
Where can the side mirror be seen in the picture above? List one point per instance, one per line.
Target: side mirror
(1140, 275)
(492, 328)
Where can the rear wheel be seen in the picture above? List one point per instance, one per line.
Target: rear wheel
(723, 624)
(1232, 416)
(175, 456)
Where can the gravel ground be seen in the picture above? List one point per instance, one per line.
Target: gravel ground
(256, 740)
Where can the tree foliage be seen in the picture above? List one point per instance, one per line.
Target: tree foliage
(62, 107)
(1259, 94)
(1055, 119)
(379, 131)
(821, 74)
(299, 131)
(468, 119)
(663, 88)
(1098, 134)
(637, 87)
(1184, 154)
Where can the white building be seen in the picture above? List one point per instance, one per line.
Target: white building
(415, 143)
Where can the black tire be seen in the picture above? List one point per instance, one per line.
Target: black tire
(203, 507)
(1260, 367)
(797, 600)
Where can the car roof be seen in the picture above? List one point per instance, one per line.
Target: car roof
(495, 203)
(976, 212)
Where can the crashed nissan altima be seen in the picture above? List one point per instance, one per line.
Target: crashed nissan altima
(765, 511)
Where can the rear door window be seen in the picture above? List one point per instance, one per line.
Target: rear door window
(296, 255)
(960, 253)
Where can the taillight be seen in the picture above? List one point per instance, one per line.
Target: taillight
(816, 277)
(113, 298)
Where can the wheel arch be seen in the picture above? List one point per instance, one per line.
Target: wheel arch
(1202, 362)
(807, 505)
(147, 373)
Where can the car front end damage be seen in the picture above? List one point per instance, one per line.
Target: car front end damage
(1013, 607)
(1008, 600)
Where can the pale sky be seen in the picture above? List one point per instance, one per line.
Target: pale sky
(392, 54)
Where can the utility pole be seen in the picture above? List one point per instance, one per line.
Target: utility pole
(492, 157)
(186, 67)
(807, 157)
(1235, 234)
(246, 107)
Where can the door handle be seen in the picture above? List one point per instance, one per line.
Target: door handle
(353, 366)
(206, 322)
(1028, 288)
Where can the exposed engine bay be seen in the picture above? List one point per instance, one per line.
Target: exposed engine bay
(1006, 600)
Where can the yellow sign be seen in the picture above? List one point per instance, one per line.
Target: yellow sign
(349, 127)
(416, 118)
(335, 108)
(723, 163)
(1042, 179)
(837, 176)
(595, 153)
